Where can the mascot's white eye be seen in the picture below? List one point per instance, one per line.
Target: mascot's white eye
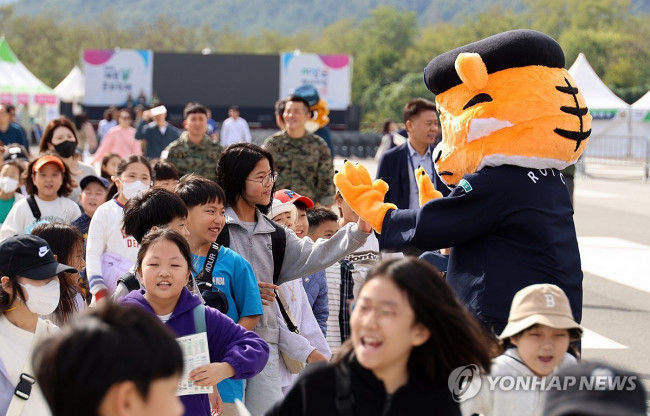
(477, 99)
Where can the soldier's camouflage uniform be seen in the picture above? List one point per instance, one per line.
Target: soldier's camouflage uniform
(198, 158)
(304, 165)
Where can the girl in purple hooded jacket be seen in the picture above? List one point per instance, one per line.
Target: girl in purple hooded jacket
(164, 262)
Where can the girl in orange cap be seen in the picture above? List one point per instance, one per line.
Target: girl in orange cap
(48, 182)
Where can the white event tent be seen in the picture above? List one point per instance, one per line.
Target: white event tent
(641, 116)
(20, 87)
(72, 88)
(611, 128)
(610, 113)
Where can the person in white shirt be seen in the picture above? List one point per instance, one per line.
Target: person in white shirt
(29, 288)
(47, 186)
(109, 251)
(308, 345)
(234, 129)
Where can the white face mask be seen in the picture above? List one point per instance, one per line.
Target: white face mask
(133, 189)
(42, 300)
(8, 185)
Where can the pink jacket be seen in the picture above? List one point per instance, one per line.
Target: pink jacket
(120, 141)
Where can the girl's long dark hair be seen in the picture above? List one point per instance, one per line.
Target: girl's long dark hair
(457, 339)
(7, 299)
(236, 162)
(386, 127)
(63, 239)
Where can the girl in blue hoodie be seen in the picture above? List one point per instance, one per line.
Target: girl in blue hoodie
(163, 262)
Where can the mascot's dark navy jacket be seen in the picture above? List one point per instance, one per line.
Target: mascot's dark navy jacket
(509, 227)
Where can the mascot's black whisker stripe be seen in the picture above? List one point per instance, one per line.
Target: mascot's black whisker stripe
(578, 136)
(567, 90)
(510, 149)
(577, 111)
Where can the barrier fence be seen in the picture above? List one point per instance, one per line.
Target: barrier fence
(616, 157)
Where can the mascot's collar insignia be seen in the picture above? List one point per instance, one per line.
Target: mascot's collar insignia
(506, 99)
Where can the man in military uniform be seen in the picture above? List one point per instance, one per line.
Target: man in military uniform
(302, 159)
(194, 151)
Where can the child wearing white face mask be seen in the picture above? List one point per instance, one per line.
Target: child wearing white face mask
(109, 251)
(29, 287)
(10, 175)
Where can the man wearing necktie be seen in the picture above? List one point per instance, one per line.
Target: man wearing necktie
(397, 166)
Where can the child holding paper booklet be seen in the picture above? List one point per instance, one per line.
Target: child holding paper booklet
(164, 263)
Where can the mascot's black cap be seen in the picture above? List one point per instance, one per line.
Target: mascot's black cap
(512, 49)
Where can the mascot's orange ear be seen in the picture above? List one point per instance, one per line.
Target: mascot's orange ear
(472, 71)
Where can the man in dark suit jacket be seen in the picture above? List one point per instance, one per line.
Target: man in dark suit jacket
(398, 164)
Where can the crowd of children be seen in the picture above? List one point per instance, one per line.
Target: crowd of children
(280, 285)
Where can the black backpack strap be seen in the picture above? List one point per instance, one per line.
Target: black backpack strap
(344, 398)
(224, 236)
(279, 246)
(130, 280)
(290, 325)
(205, 276)
(31, 201)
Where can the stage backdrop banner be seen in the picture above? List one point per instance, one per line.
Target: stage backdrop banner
(330, 74)
(111, 75)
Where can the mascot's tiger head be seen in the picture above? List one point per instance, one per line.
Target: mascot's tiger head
(319, 113)
(506, 100)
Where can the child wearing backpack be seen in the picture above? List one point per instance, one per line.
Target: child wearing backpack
(536, 344)
(156, 208)
(245, 172)
(164, 261)
(109, 251)
(301, 342)
(48, 183)
(229, 273)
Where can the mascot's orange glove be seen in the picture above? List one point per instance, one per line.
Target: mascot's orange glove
(366, 198)
(427, 191)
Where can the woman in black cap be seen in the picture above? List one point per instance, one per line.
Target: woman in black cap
(29, 288)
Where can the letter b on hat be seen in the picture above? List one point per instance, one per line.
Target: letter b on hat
(550, 300)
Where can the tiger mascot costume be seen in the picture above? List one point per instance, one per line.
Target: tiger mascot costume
(512, 117)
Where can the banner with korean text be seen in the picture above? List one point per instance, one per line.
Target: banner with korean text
(331, 75)
(114, 76)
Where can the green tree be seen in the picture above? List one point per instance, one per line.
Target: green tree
(389, 101)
